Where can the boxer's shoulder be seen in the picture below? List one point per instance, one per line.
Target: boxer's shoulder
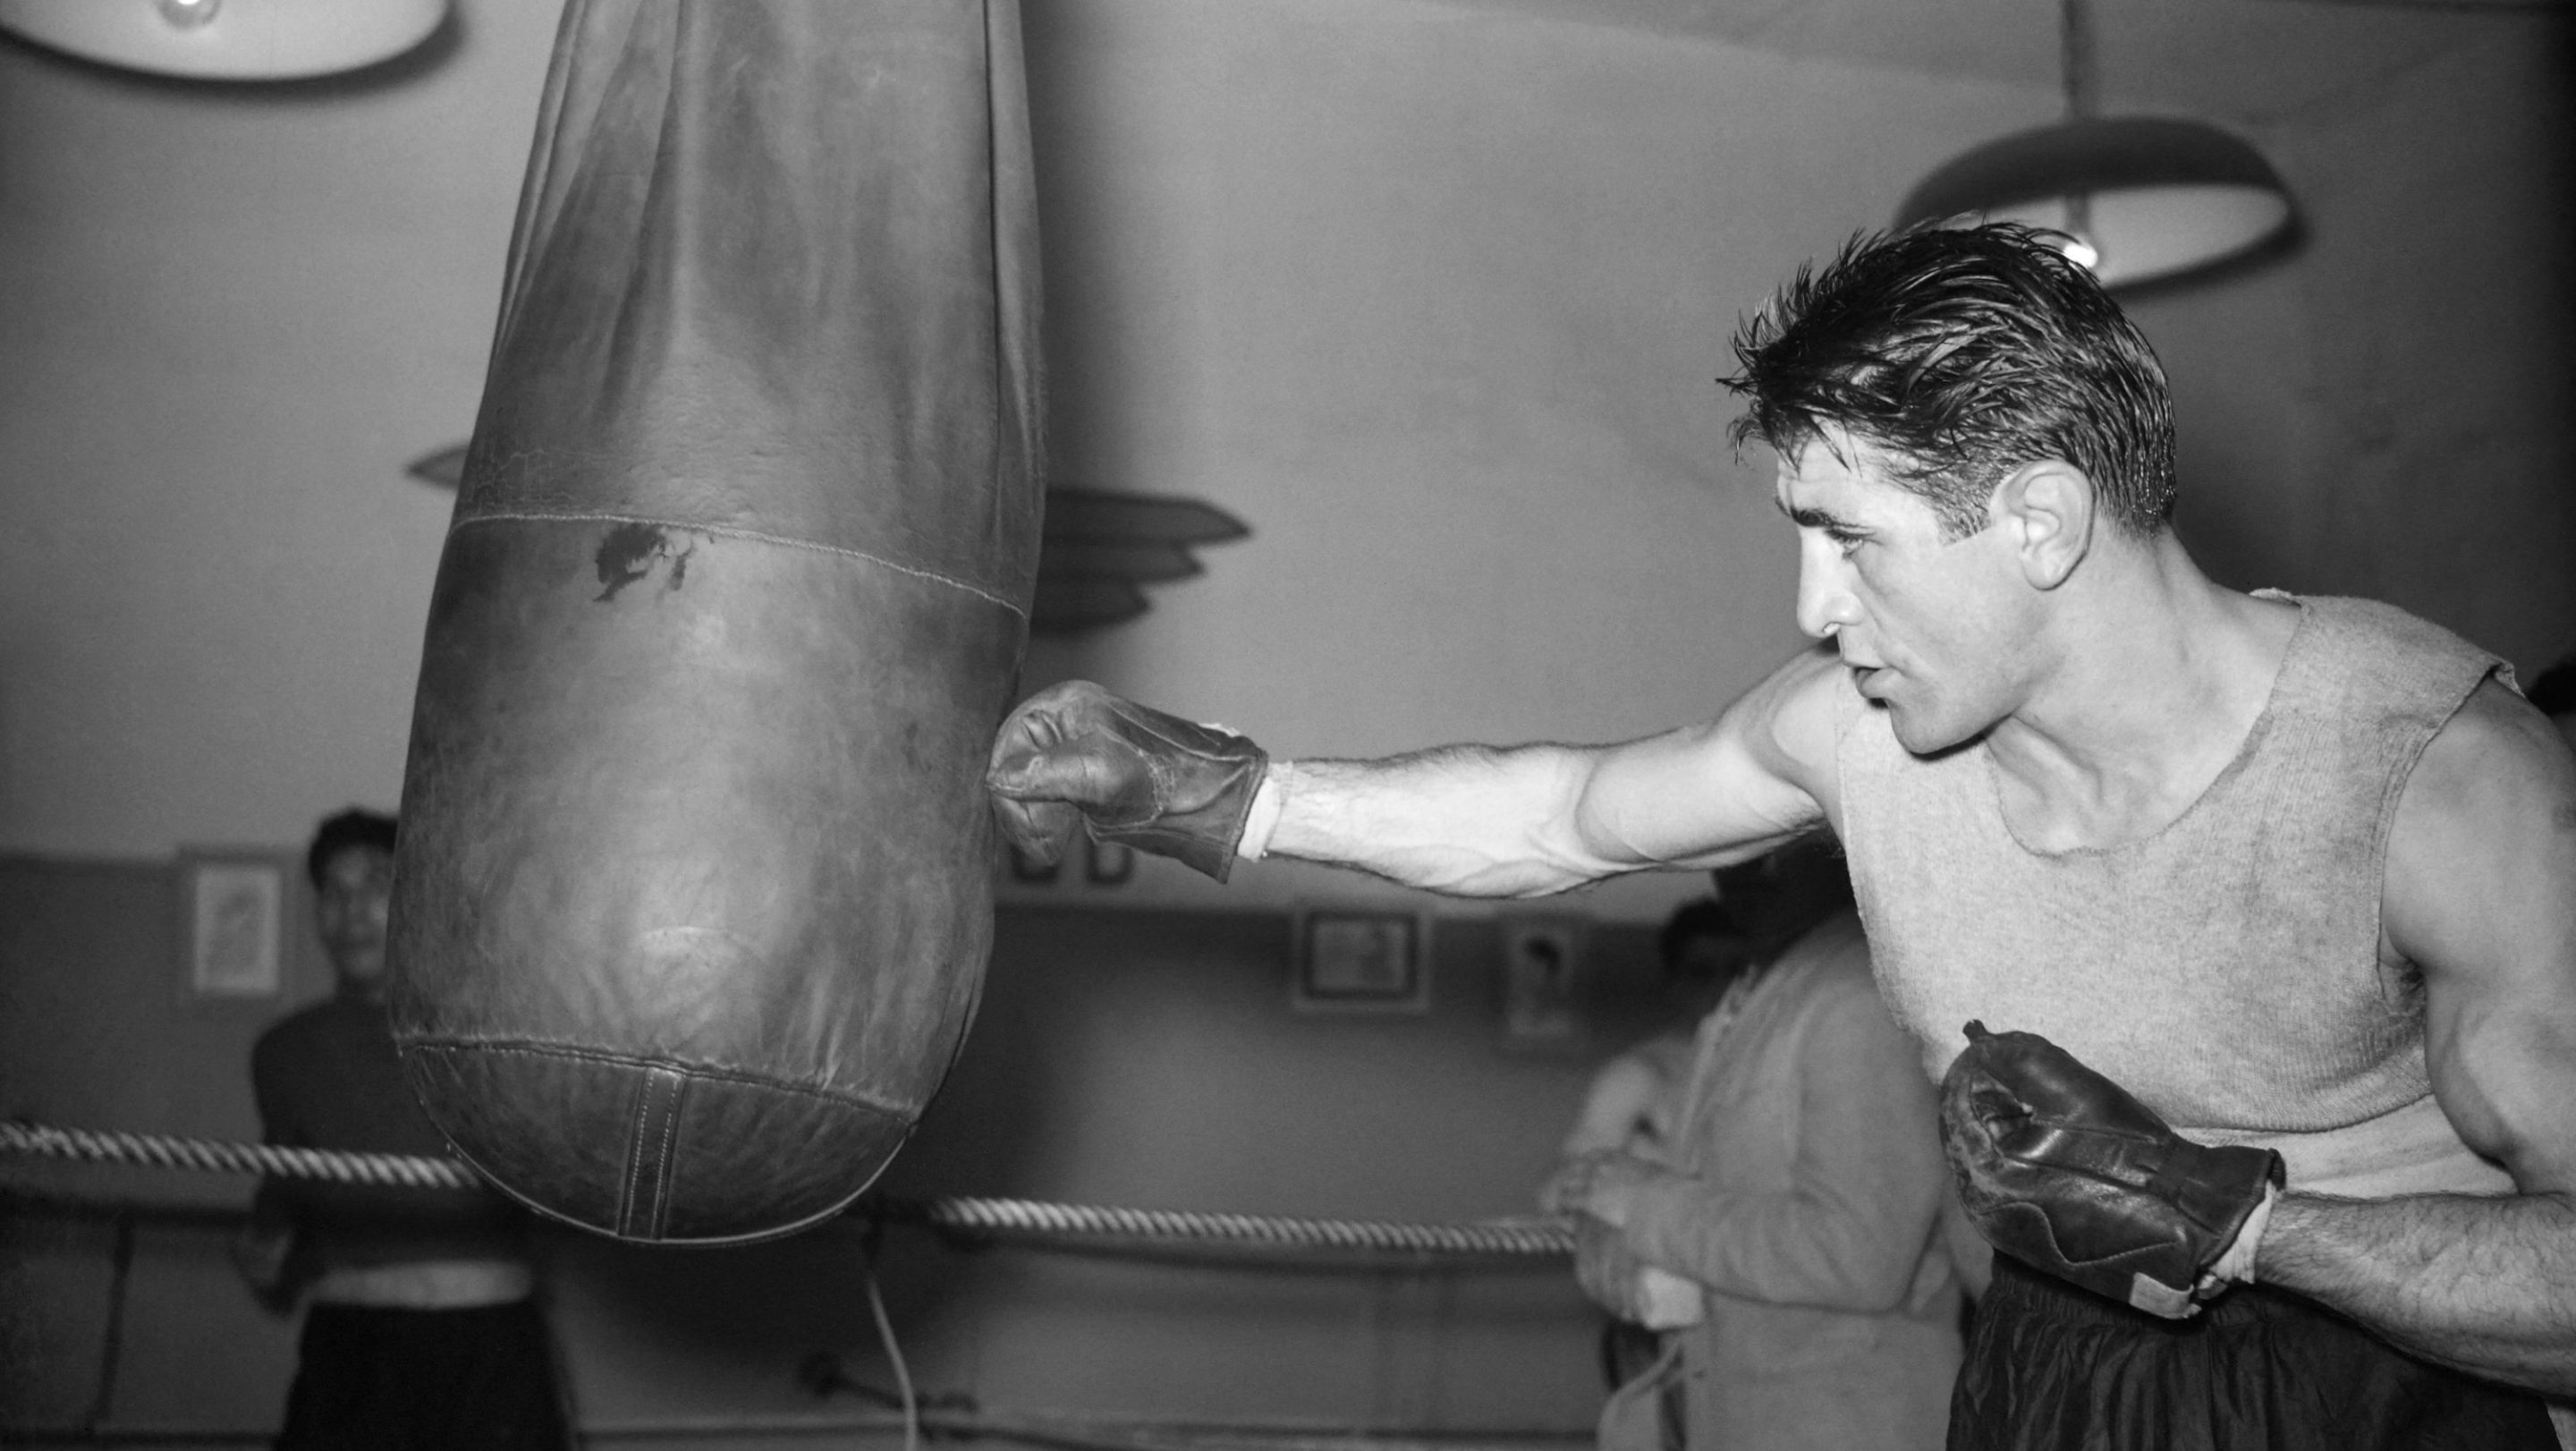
(1766, 761)
(2377, 666)
(2479, 896)
(2492, 797)
(1794, 717)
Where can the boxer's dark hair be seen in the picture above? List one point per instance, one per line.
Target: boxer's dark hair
(350, 829)
(1965, 353)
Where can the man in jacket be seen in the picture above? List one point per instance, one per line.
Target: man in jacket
(1799, 1199)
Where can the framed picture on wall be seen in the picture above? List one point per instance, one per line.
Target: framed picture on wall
(1543, 1001)
(234, 927)
(1356, 960)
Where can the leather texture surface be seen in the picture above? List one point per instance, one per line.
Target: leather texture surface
(2069, 1174)
(692, 900)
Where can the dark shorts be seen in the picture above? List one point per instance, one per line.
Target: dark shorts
(389, 1380)
(2054, 1368)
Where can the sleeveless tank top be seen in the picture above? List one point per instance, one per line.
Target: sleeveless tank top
(2224, 970)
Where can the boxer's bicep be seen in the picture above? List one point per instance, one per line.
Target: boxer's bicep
(2480, 894)
(1723, 790)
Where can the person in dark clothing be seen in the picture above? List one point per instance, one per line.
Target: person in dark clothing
(422, 1327)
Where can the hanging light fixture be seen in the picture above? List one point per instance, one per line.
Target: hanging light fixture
(2143, 198)
(235, 40)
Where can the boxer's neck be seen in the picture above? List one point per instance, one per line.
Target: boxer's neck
(2150, 679)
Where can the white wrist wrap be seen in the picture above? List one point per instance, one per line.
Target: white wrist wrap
(2235, 1264)
(1263, 819)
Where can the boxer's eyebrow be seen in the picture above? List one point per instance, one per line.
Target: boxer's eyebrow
(1809, 517)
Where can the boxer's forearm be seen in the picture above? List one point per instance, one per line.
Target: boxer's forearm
(2485, 1285)
(1471, 821)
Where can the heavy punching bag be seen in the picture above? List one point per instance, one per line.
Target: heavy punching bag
(693, 894)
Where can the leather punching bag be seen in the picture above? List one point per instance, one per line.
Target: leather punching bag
(694, 888)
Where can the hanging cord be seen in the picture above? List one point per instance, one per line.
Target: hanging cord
(2083, 98)
(1492, 1238)
(885, 1333)
(111, 1352)
(2075, 60)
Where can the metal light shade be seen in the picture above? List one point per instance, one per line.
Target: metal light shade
(240, 40)
(2161, 197)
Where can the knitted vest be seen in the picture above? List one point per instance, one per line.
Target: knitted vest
(2226, 969)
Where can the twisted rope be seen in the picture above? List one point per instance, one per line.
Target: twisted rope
(1494, 1237)
(1484, 1237)
(214, 1157)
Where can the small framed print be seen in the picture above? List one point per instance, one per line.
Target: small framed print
(1542, 980)
(233, 923)
(1352, 960)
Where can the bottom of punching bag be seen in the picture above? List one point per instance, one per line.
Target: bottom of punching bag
(650, 1150)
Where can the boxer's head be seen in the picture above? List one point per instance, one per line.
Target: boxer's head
(1962, 416)
(1959, 355)
(351, 863)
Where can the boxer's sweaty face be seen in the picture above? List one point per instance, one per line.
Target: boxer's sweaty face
(1925, 623)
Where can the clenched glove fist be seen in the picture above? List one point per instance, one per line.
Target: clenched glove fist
(1074, 756)
(2067, 1173)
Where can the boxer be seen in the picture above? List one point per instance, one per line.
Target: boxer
(2279, 892)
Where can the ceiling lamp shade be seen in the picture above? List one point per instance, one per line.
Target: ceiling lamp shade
(233, 40)
(2150, 197)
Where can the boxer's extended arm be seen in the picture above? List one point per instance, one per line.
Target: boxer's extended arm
(1527, 821)
(1475, 821)
(2480, 894)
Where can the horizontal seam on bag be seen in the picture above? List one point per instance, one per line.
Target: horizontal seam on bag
(728, 531)
(699, 1069)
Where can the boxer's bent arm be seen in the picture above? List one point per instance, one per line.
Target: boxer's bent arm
(2480, 895)
(1527, 821)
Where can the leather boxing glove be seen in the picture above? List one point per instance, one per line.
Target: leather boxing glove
(1074, 755)
(2062, 1170)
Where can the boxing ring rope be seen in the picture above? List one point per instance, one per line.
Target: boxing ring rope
(1025, 1220)
(1021, 1218)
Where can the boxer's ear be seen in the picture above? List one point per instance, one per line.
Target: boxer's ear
(2047, 509)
